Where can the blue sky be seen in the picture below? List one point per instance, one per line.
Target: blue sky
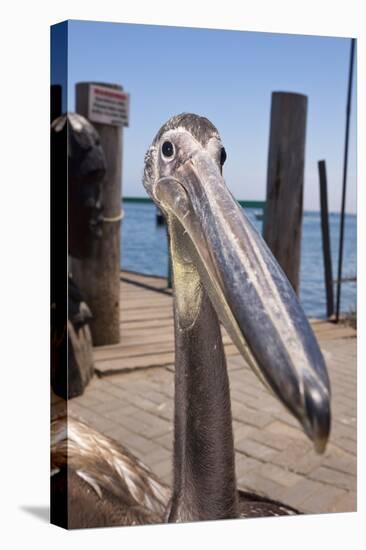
(227, 76)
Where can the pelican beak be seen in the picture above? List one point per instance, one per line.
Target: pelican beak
(249, 291)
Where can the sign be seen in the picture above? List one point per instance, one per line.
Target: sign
(108, 105)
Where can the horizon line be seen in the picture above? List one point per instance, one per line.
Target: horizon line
(251, 203)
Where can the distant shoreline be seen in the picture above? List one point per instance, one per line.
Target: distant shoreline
(242, 202)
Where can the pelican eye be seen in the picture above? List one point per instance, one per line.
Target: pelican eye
(223, 156)
(167, 149)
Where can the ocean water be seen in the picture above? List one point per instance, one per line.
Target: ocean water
(144, 249)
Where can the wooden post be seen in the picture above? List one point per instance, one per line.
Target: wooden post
(325, 237)
(344, 179)
(99, 276)
(285, 176)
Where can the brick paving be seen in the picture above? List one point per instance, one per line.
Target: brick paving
(273, 456)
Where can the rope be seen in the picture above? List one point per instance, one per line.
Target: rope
(114, 218)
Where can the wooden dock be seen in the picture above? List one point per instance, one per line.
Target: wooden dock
(147, 331)
(131, 400)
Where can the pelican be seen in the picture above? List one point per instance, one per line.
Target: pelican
(222, 272)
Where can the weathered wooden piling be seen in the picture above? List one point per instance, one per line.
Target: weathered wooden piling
(285, 177)
(328, 276)
(99, 276)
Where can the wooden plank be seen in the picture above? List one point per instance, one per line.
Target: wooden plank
(114, 366)
(326, 330)
(141, 306)
(345, 332)
(151, 336)
(137, 303)
(135, 300)
(149, 313)
(140, 277)
(144, 323)
(138, 291)
(319, 323)
(135, 350)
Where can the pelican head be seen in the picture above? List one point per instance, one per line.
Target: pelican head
(219, 249)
